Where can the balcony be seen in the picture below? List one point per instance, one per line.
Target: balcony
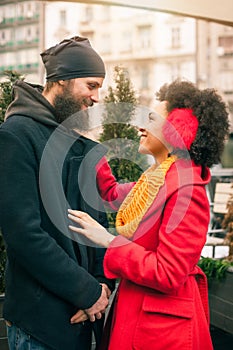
(20, 20)
(25, 68)
(17, 45)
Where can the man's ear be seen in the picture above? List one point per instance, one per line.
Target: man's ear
(61, 82)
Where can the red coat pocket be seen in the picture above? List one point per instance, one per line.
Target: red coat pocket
(165, 322)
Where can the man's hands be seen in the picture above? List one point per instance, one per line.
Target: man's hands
(92, 230)
(96, 310)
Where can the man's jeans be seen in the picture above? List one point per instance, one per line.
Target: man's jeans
(19, 340)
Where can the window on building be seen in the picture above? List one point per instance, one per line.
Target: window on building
(63, 18)
(2, 14)
(106, 44)
(28, 33)
(3, 38)
(7, 35)
(126, 41)
(37, 32)
(105, 12)
(12, 35)
(175, 71)
(10, 60)
(20, 34)
(3, 61)
(29, 11)
(88, 14)
(36, 7)
(226, 83)
(225, 43)
(28, 57)
(175, 37)
(20, 10)
(145, 78)
(9, 12)
(144, 36)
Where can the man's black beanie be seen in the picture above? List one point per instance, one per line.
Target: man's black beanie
(72, 58)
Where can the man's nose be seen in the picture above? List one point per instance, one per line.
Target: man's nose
(95, 96)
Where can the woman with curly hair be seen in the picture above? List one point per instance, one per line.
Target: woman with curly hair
(162, 299)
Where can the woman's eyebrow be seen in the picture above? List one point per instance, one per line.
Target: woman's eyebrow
(154, 115)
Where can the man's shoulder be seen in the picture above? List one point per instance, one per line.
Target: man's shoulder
(26, 130)
(19, 124)
(17, 121)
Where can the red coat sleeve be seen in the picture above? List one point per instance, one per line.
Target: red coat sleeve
(110, 190)
(167, 267)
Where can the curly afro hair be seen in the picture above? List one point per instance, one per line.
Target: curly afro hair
(212, 115)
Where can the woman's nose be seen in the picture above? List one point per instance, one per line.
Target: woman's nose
(140, 131)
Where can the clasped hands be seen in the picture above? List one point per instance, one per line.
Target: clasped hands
(96, 310)
(96, 233)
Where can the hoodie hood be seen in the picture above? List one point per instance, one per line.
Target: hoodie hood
(28, 101)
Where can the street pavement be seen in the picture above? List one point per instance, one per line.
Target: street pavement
(221, 340)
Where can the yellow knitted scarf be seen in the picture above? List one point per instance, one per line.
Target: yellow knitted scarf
(140, 198)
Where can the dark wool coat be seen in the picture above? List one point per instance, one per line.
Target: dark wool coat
(50, 275)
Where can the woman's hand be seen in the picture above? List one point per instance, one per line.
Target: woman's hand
(90, 228)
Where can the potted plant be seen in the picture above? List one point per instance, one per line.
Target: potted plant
(5, 99)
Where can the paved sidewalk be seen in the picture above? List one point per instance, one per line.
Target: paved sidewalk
(221, 340)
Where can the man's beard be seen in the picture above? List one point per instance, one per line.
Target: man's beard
(68, 111)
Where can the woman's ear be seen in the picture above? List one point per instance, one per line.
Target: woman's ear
(180, 128)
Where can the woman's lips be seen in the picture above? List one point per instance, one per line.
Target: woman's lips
(142, 138)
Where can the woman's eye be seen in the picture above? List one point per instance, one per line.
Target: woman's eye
(152, 116)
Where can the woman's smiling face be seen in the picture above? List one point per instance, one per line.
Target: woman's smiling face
(152, 141)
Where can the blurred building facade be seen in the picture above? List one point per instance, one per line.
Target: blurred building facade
(19, 36)
(153, 47)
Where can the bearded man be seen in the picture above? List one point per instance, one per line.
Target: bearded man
(51, 275)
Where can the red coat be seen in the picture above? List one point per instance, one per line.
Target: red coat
(162, 300)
